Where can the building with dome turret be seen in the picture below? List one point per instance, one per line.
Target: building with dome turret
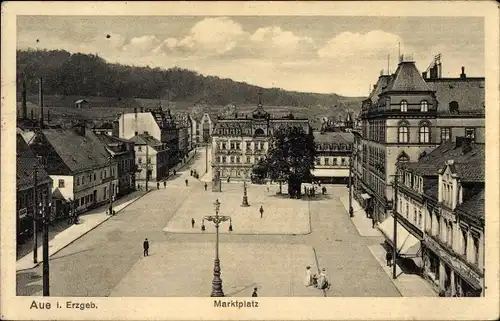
(240, 141)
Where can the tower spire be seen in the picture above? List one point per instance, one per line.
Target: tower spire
(260, 98)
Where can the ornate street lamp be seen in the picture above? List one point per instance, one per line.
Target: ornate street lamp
(216, 219)
(245, 197)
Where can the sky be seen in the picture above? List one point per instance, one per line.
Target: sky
(323, 54)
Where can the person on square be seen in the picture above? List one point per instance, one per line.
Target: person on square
(192, 223)
(206, 185)
(254, 294)
(145, 246)
(261, 210)
(164, 184)
(157, 185)
(308, 281)
(186, 181)
(388, 258)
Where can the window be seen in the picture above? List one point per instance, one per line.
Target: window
(407, 210)
(82, 201)
(453, 107)
(237, 159)
(238, 146)
(140, 160)
(104, 189)
(248, 159)
(83, 180)
(223, 159)
(223, 145)
(61, 183)
(149, 160)
(342, 161)
(78, 181)
(232, 145)
(420, 218)
(403, 132)
(464, 242)
(318, 161)
(335, 161)
(424, 133)
(475, 241)
(327, 161)
(414, 214)
(404, 105)
(139, 148)
(445, 134)
(424, 106)
(470, 133)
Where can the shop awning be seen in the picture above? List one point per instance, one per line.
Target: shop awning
(365, 196)
(330, 172)
(408, 245)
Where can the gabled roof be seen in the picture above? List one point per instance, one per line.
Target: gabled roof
(333, 138)
(407, 78)
(114, 144)
(144, 139)
(81, 101)
(430, 164)
(473, 206)
(78, 152)
(26, 161)
(382, 82)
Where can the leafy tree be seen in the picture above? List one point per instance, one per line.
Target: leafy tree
(291, 157)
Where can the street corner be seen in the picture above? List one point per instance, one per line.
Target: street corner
(187, 270)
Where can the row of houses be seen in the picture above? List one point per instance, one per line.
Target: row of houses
(419, 157)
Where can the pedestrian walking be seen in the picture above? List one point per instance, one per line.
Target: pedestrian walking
(191, 172)
(206, 185)
(374, 222)
(261, 210)
(164, 184)
(254, 294)
(175, 172)
(157, 185)
(186, 181)
(145, 246)
(323, 282)
(192, 223)
(388, 258)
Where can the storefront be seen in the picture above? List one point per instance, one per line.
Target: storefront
(408, 246)
(453, 277)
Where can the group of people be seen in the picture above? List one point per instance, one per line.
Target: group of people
(194, 174)
(313, 280)
(158, 184)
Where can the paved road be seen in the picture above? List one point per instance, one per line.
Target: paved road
(96, 263)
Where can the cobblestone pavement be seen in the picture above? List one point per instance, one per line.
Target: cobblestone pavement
(109, 259)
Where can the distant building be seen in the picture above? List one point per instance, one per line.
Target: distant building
(123, 154)
(27, 163)
(81, 103)
(239, 143)
(333, 150)
(203, 127)
(406, 116)
(156, 123)
(185, 130)
(104, 128)
(440, 213)
(151, 157)
(83, 174)
(337, 125)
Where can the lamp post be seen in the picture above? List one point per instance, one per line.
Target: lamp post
(216, 219)
(351, 210)
(245, 197)
(206, 154)
(111, 189)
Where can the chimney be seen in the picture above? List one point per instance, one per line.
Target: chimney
(25, 106)
(439, 69)
(424, 75)
(463, 75)
(40, 92)
(433, 72)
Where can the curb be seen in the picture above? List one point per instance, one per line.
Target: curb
(81, 235)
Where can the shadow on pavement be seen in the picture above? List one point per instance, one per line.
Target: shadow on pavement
(26, 285)
(70, 254)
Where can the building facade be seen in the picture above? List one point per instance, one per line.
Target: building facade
(83, 173)
(203, 127)
(333, 150)
(33, 186)
(185, 129)
(123, 154)
(239, 143)
(440, 207)
(156, 123)
(151, 157)
(406, 116)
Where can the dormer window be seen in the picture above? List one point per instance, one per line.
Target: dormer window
(404, 106)
(424, 106)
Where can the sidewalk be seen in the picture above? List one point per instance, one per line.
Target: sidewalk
(409, 285)
(88, 221)
(360, 221)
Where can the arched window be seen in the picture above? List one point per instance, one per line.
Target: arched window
(453, 107)
(403, 132)
(424, 105)
(259, 132)
(424, 132)
(404, 105)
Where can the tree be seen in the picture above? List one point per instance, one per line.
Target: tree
(291, 157)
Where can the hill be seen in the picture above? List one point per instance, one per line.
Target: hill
(68, 77)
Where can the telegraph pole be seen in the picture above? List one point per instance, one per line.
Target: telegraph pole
(45, 222)
(110, 187)
(351, 210)
(35, 211)
(147, 167)
(395, 236)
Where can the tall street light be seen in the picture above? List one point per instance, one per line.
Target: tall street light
(45, 216)
(111, 189)
(353, 154)
(216, 219)
(206, 154)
